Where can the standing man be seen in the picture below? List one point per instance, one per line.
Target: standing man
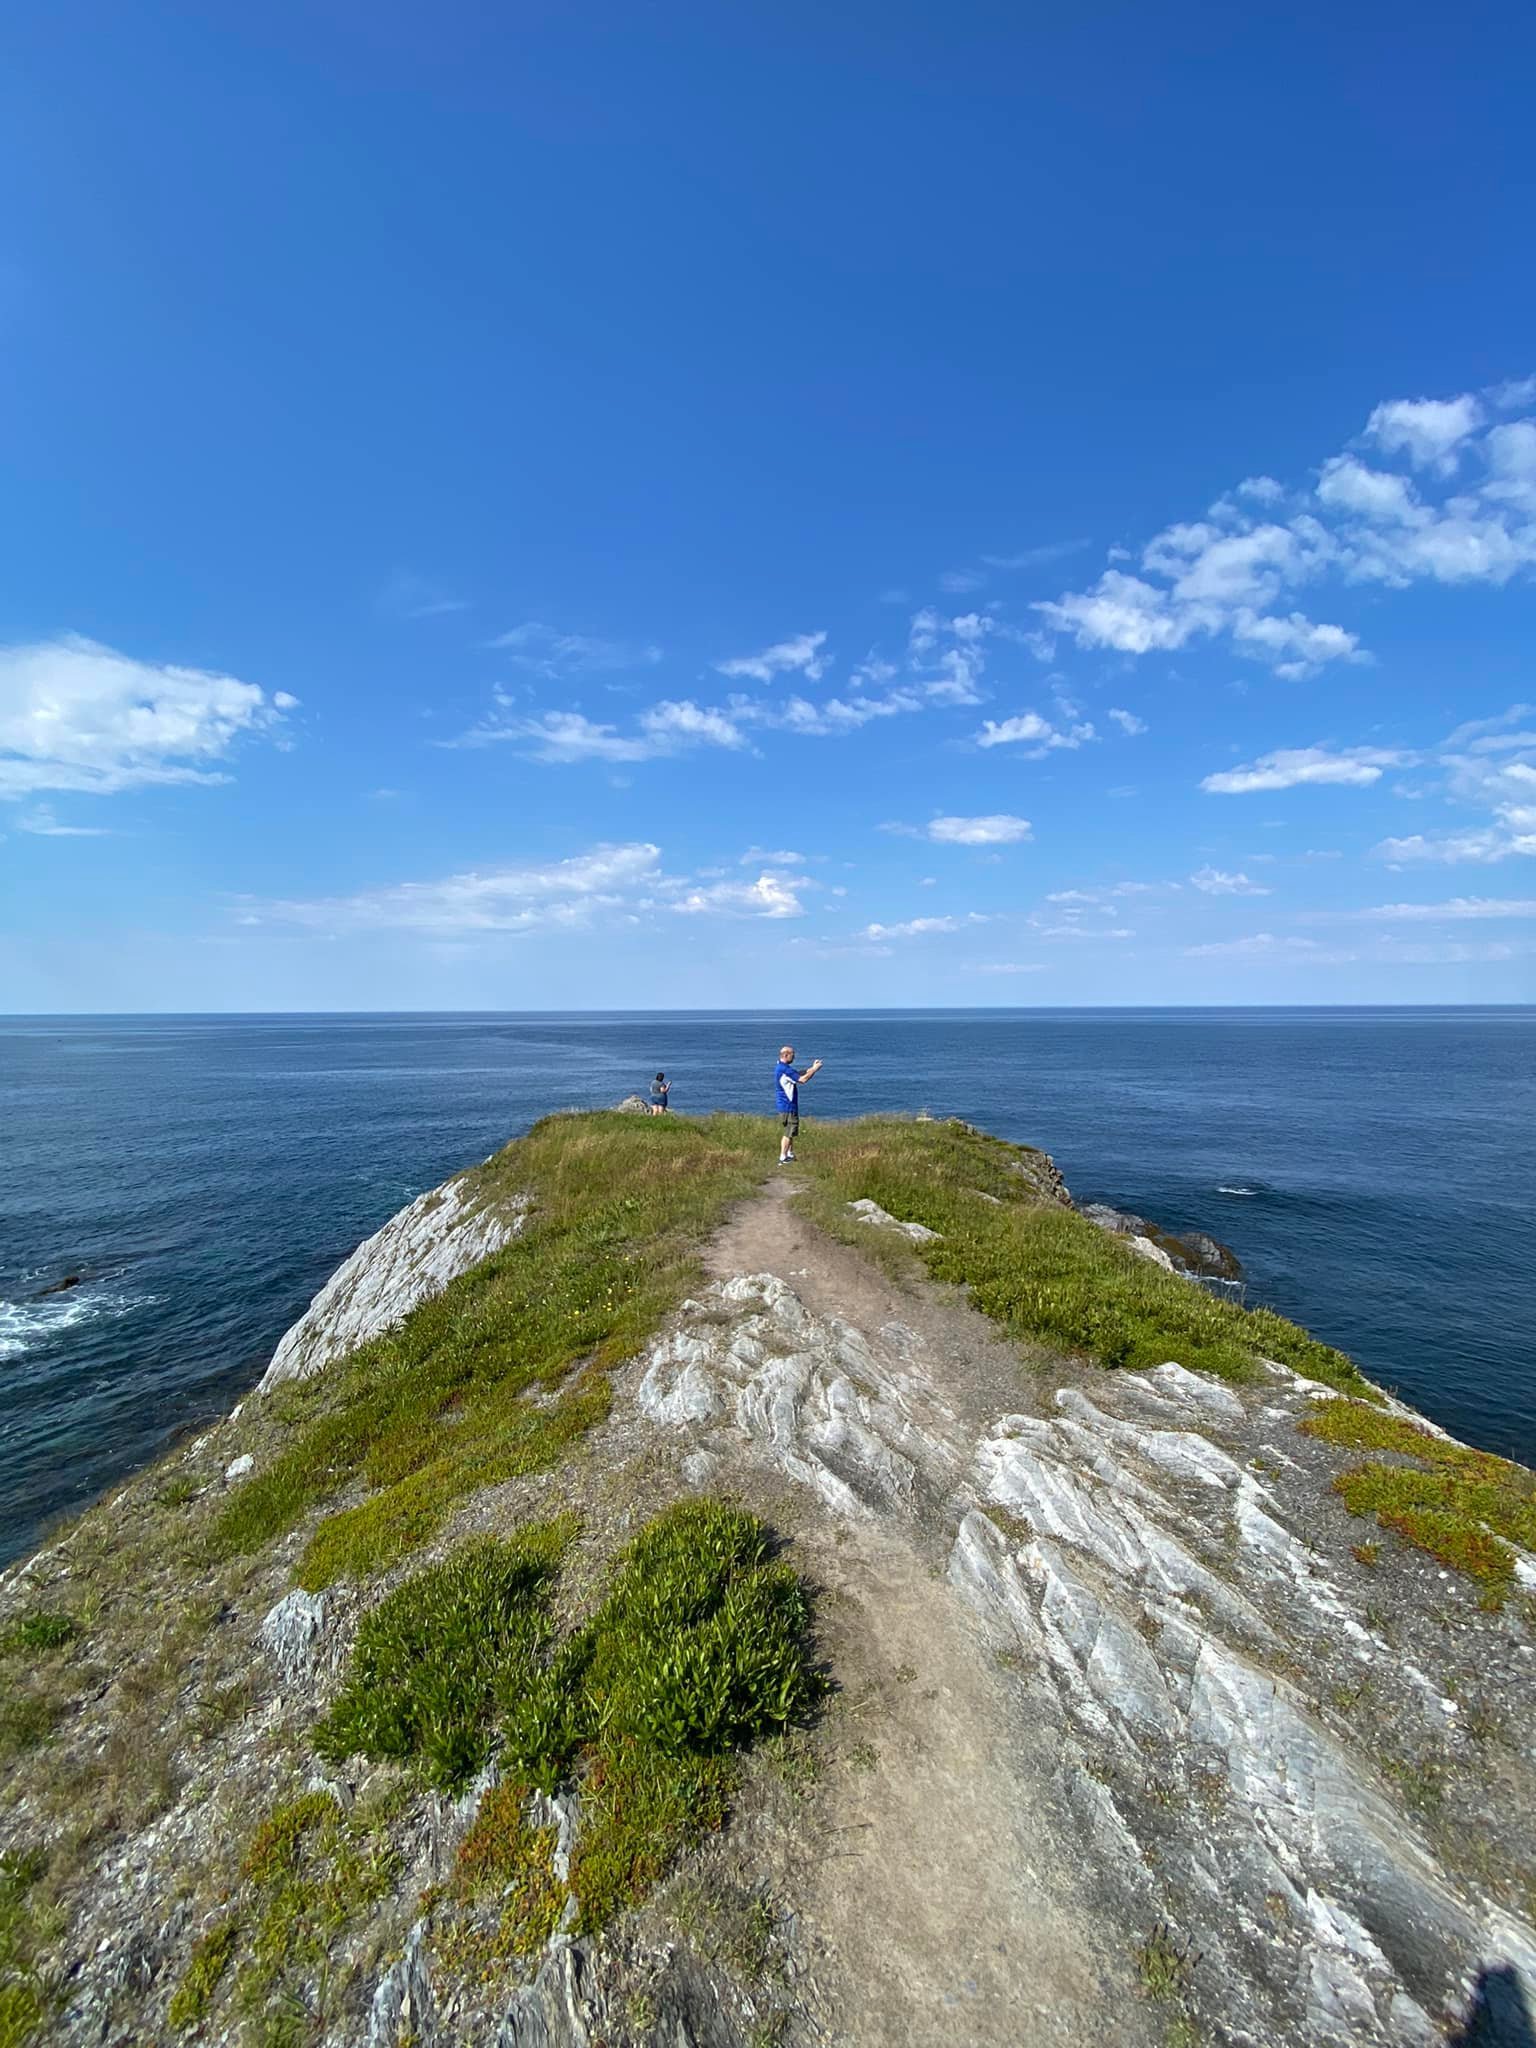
(786, 1097)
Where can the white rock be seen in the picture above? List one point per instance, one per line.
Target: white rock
(291, 1633)
(417, 1253)
(871, 1212)
(238, 1467)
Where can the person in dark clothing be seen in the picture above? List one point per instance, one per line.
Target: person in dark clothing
(660, 1090)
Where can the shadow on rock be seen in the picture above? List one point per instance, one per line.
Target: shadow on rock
(1500, 2017)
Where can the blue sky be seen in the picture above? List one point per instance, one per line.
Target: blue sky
(688, 506)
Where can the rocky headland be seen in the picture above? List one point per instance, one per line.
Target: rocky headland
(657, 1599)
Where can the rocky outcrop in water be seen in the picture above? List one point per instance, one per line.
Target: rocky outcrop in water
(1193, 1253)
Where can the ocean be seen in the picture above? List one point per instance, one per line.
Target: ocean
(1375, 1170)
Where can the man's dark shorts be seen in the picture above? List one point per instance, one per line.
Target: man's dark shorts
(791, 1122)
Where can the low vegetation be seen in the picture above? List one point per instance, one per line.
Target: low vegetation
(1041, 1271)
(27, 1923)
(698, 1648)
(311, 1873)
(1465, 1507)
(502, 1372)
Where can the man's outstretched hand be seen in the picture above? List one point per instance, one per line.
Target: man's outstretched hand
(813, 1068)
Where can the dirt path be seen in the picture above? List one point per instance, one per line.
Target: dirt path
(938, 1889)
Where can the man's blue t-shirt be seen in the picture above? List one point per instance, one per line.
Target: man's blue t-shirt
(786, 1089)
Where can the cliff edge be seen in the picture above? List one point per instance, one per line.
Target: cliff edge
(652, 1602)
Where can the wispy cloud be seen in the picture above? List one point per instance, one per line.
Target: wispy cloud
(550, 652)
(1127, 721)
(1213, 882)
(1458, 910)
(622, 884)
(1267, 946)
(1036, 735)
(506, 899)
(409, 596)
(921, 927)
(995, 828)
(78, 716)
(1295, 767)
(1010, 967)
(799, 655)
(44, 825)
(563, 737)
(1034, 558)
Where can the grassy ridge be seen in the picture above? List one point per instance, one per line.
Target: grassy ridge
(1041, 1271)
(502, 1372)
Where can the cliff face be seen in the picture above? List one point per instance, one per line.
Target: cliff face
(1128, 1729)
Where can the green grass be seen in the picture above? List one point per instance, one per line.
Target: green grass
(698, 1649)
(501, 1373)
(211, 1957)
(27, 1923)
(311, 1873)
(1040, 1271)
(1464, 1507)
(39, 1630)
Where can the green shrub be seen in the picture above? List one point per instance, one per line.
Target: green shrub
(700, 1647)
(429, 1659)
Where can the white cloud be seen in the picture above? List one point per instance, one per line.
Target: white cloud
(611, 883)
(1501, 783)
(1123, 613)
(997, 828)
(1213, 882)
(1481, 844)
(1127, 721)
(1429, 431)
(562, 737)
(548, 651)
(78, 716)
(690, 724)
(1011, 967)
(799, 655)
(1231, 574)
(1036, 734)
(1349, 486)
(771, 895)
(920, 927)
(1294, 767)
(511, 899)
(1080, 931)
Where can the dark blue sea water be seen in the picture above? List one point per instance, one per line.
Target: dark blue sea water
(1374, 1169)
